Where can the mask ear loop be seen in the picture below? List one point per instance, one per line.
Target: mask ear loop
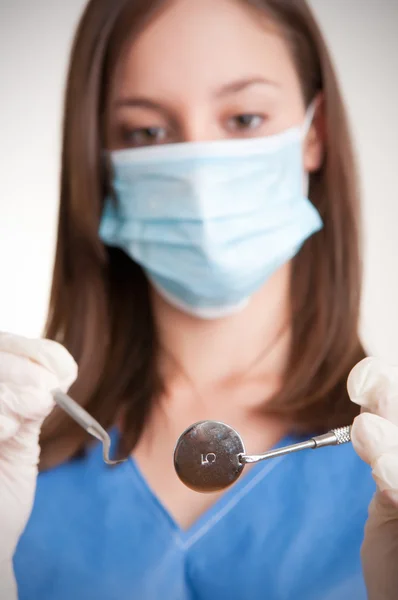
(309, 118)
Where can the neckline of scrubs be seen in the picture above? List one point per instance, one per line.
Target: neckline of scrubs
(228, 501)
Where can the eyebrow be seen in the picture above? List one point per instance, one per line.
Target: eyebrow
(139, 102)
(230, 88)
(238, 86)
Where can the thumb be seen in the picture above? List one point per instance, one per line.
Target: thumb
(47, 353)
(376, 441)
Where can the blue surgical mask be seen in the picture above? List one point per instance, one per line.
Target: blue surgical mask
(210, 222)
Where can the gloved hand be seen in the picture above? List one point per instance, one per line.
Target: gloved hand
(29, 371)
(374, 386)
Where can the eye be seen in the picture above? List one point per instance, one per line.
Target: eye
(245, 122)
(144, 136)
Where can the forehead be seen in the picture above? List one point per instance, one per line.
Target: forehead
(196, 46)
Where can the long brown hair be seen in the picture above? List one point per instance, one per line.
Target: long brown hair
(100, 306)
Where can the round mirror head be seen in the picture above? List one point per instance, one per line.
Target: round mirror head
(207, 456)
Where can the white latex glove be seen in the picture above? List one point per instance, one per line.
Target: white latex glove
(29, 371)
(374, 386)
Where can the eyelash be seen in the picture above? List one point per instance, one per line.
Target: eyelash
(132, 137)
(240, 124)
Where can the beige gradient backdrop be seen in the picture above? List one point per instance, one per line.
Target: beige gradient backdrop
(35, 36)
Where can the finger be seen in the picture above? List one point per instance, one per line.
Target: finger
(18, 370)
(374, 385)
(23, 447)
(25, 403)
(373, 436)
(8, 428)
(385, 472)
(49, 354)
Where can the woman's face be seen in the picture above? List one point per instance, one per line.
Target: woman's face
(208, 71)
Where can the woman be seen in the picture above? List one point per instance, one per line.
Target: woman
(194, 280)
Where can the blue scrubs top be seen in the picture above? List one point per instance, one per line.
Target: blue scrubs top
(290, 529)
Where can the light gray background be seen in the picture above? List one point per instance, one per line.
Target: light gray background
(35, 37)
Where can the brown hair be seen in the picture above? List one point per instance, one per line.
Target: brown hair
(100, 306)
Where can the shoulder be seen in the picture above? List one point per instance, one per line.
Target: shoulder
(338, 486)
(331, 484)
(341, 467)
